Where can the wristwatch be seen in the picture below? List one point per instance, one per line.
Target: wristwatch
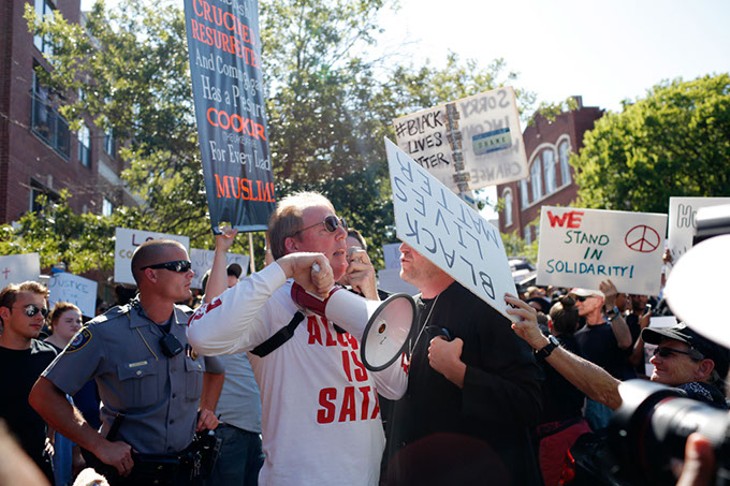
(546, 350)
(611, 314)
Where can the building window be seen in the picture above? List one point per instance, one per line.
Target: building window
(46, 122)
(564, 154)
(43, 8)
(508, 201)
(524, 194)
(84, 137)
(548, 167)
(106, 207)
(109, 142)
(528, 235)
(536, 179)
(37, 189)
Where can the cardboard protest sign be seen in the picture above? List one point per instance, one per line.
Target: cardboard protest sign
(682, 213)
(19, 268)
(80, 291)
(127, 240)
(582, 247)
(447, 231)
(203, 261)
(482, 132)
(225, 66)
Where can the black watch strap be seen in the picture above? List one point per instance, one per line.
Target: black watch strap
(545, 351)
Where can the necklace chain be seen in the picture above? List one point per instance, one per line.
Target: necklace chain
(423, 328)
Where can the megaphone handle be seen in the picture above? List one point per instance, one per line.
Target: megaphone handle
(309, 300)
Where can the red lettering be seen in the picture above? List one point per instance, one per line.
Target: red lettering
(376, 410)
(347, 412)
(330, 338)
(346, 365)
(361, 374)
(326, 414)
(315, 334)
(342, 339)
(571, 219)
(365, 390)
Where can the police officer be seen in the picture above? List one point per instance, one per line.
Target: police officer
(150, 381)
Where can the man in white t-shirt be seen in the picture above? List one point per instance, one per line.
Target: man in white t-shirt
(320, 414)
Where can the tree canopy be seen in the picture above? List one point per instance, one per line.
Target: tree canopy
(674, 142)
(331, 98)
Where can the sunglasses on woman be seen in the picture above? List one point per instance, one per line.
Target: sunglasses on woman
(178, 266)
(331, 223)
(32, 309)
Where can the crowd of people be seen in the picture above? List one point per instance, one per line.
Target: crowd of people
(257, 385)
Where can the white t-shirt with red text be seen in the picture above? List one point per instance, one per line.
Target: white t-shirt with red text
(320, 415)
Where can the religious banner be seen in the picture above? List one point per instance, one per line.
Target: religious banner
(126, 241)
(477, 139)
(80, 291)
(224, 47)
(447, 231)
(583, 247)
(682, 213)
(15, 269)
(203, 261)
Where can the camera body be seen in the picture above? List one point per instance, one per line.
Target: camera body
(648, 433)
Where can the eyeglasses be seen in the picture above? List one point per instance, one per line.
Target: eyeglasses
(665, 352)
(582, 298)
(178, 266)
(331, 223)
(32, 309)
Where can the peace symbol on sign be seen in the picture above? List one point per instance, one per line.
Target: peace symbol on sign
(642, 238)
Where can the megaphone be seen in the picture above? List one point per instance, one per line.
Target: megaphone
(382, 327)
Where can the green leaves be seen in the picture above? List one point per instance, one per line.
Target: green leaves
(675, 142)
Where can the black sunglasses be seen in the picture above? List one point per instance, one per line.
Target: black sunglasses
(32, 309)
(664, 352)
(582, 298)
(331, 223)
(179, 266)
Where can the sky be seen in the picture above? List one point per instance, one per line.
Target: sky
(604, 51)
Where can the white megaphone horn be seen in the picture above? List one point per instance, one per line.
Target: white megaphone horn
(382, 327)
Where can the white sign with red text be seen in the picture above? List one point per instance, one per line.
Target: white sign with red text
(15, 269)
(447, 231)
(582, 247)
(127, 240)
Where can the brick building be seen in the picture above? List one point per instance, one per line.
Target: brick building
(38, 151)
(548, 145)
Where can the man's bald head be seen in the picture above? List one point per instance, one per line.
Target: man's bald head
(152, 252)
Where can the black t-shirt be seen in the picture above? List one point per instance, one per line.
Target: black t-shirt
(561, 400)
(598, 345)
(19, 371)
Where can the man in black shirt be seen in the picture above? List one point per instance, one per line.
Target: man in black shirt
(22, 360)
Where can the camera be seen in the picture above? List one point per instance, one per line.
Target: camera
(648, 432)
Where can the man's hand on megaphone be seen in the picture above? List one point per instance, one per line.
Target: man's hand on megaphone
(361, 273)
(310, 270)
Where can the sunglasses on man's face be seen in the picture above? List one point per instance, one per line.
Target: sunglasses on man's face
(32, 309)
(331, 223)
(178, 266)
(664, 352)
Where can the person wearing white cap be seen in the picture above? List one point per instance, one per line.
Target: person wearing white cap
(605, 340)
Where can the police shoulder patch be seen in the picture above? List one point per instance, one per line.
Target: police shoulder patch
(80, 340)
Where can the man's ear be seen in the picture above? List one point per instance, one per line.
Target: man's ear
(4, 313)
(704, 370)
(291, 244)
(150, 274)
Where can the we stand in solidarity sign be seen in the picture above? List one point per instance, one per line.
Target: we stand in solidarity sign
(582, 247)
